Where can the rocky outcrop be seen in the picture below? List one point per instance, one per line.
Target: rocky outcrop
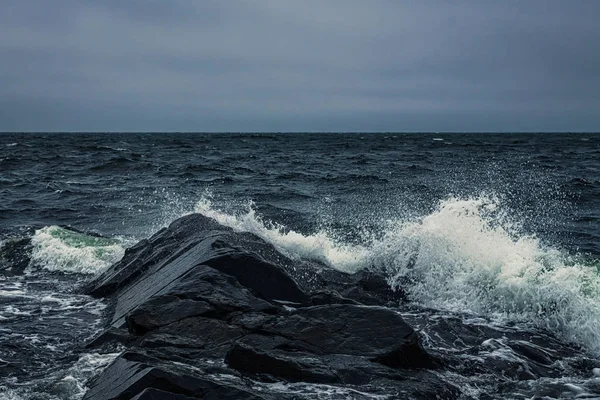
(209, 313)
(15, 255)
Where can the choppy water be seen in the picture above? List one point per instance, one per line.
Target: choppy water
(500, 229)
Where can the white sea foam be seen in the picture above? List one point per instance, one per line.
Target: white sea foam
(12, 293)
(317, 391)
(72, 385)
(319, 246)
(465, 256)
(9, 394)
(59, 249)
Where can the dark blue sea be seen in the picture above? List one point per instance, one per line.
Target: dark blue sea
(500, 231)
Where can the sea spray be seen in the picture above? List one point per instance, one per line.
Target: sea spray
(458, 259)
(319, 246)
(465, 256)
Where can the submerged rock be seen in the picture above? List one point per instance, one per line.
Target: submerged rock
(15, 255)
(212, 313)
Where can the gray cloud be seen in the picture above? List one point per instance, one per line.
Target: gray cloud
(282, 65)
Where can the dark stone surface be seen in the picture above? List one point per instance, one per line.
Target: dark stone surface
(132, 373)
(279, 358)
(363, 287)
(198, 302)
(15, 255)
(109, 336)
(156, 394)
(201, 291)
(159, 267)
(375, 332)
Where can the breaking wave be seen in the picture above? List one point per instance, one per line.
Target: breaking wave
(467, 256)
(59, 249)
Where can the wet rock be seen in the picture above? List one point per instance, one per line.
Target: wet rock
(273, 359)
(160, 274)
(201, 291)
(330, 297)
(266, 279)
(364, 287)
(375, 332)
(166, 244)
(265, 358)
(194, 240)
(110, 336)
(131, 373)
(207, 336)
(198, 302)
(156, 394)
(372, 288)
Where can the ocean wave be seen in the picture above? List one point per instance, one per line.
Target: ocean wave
(204, 168)
(354, 178)
(582, 182)
(467, 255)
(59, 249)
(319, 246)
(132, 163)
(9, 162)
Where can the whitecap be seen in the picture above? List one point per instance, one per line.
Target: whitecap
(468, 255)
(319, 246)
(60, 249)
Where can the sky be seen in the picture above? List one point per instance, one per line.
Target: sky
(301, 65)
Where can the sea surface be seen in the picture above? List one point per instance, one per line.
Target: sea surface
(501, 230)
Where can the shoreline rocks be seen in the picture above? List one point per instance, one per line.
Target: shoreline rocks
(205, 312)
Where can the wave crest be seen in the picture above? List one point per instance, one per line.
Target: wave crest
(467, 256)
(59, 249)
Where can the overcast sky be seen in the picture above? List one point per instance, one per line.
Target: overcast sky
(303, 65)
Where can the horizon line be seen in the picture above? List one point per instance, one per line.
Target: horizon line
(307, 132)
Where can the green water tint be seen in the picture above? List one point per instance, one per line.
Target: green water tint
(590, 282)
(61, 249)
(78, 239)
(101, 245)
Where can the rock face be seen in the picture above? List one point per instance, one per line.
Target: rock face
(208, 313)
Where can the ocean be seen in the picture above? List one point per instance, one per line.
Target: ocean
(499, 231)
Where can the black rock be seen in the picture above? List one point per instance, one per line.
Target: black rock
(268, 355)
(364, 287)
(375, 332)
(148, 271)
(277, 358)
(166, 244)
(110, 335)
(267, 280)
(199, 336)
(201, 291)
(198, 302)
(156, 394)
(131, 373)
